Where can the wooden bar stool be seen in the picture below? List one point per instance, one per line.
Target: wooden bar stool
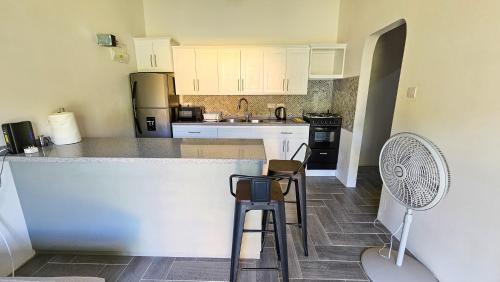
(297, 170)
(259, 193)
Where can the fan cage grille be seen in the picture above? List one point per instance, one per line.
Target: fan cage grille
(411, 172)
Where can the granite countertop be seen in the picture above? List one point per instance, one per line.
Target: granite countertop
(150, 149)
(265, 122)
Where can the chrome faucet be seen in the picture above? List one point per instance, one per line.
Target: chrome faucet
(247, 114)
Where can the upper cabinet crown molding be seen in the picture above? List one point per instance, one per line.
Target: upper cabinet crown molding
(238, 70)
(154, 54)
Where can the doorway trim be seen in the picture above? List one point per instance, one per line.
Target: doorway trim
(361, 101)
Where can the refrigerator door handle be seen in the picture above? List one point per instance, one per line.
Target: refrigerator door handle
(134, 107)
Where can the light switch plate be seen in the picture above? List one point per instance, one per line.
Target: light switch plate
(411, 93)
(119, 55)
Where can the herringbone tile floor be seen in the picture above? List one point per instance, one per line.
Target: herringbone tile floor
(340, 228)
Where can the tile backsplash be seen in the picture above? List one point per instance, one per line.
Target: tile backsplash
(334, 95)
(318, 99)
(344, 99)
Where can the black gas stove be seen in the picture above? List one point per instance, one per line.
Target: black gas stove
(324, 139)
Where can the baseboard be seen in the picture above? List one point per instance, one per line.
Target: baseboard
(321, 172)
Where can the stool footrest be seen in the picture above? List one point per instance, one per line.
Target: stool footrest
(294, 223)
(258, 230)
(290, 202)
(258, 268)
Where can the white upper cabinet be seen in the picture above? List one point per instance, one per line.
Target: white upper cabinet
(185, 71)
(275, 62)
(162, 54)
(252, 71)
(207, 75)
(241, 71)
(297, 71)
(154, 54)
(196, 71)
(229, 71)
(327, 61)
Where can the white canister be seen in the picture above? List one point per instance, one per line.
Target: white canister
(64, 128)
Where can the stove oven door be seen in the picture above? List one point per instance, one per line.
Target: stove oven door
(324, 137)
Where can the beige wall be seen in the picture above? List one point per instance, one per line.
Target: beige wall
(50, 59)
(243, 21)
(451, 56)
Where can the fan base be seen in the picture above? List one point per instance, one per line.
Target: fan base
(380, 269)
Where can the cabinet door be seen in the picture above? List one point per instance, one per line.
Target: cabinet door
(297, 71)
(207, 76)
(185, 71)
(274, 70)
(162, 55)
(144, 54)
(275, 148)
(229, 71)
(291, 146)
(252, 71)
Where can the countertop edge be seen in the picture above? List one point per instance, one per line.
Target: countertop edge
(125, 160)
(208, 123)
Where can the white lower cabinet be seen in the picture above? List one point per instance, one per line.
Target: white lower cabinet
(194, 131)
(280, 142)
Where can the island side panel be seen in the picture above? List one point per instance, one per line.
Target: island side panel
(12, 226)
(180, 207)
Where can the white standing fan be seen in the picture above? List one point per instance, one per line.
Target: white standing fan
(416, 175)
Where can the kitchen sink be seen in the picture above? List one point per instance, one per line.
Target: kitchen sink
(240, 120)
(233, 120)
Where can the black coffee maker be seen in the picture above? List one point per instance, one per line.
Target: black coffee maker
(18, 136)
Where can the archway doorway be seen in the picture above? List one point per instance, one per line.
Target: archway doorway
(382, 92)
(378, 83)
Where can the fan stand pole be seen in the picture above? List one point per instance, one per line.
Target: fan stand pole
(404, 236)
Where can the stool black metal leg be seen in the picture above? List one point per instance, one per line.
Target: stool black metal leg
(303, 211)
(280, 224)
(297, 199)
(264, 227)
(239, 221)
(276, 234)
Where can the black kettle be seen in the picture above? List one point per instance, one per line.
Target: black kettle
(280, 113)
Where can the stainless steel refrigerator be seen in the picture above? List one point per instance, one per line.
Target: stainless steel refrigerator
(154, 104)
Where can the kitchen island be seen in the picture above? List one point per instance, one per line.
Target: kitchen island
(154, 197)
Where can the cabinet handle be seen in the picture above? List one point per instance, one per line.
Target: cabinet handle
(288, 145)
(156, 65)
(283, 84)
(284, 132)
(194, 132)
(194, 84)
(283, 147)
(151, 60)
(287, 83)
(323, 153)
(198, 84)
(242, 85)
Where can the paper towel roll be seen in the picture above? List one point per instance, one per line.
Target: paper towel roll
(64, 128)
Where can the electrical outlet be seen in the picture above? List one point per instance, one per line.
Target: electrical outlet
(411, 93)
(271, 106)
(280, 105)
